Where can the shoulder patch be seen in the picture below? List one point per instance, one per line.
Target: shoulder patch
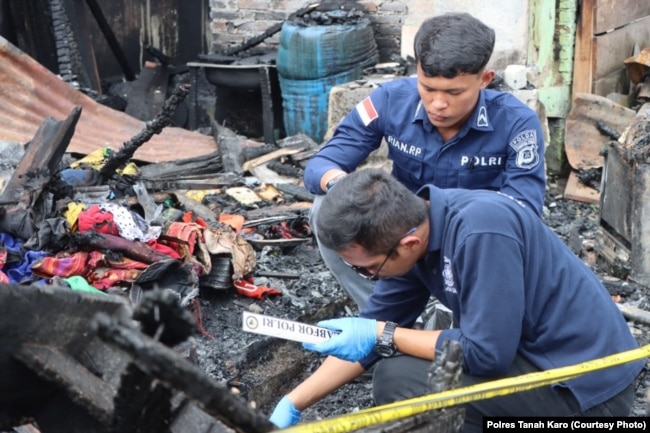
(367, 111)
(525, 144)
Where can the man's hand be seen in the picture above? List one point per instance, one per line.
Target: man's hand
(356, 338)
(285, 414)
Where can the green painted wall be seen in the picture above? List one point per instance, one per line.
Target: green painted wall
(551, 51)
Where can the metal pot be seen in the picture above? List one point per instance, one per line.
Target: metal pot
(243, 77)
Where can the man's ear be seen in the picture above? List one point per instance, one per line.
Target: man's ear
(410, 241)
(486, 77)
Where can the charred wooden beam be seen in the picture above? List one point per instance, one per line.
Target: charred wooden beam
(230, 148)
(298, 192)
(49, 359)
(42, 157)
(635, 314)
(199, 182)
(607, 130)
(171, 368)
(155, 126)
(183, 167)
(198, 209)
(282, 168)
(142, 405)
(77, 59)
(255, 40)
(80, 385)
(163, 318)
(41, 160)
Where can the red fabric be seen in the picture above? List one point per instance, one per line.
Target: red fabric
(97, 259)
(245, 287)
(165, 249)
(94, 219)
(62, 265)
(183, 237)
(188, 217)
(103, 278)
(100, 271)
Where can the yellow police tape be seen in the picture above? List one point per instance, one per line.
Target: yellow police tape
(418, 405)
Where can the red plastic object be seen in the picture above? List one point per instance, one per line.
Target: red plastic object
(245, 287)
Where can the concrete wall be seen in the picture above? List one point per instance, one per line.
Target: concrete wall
(508, 18)
(394, 22)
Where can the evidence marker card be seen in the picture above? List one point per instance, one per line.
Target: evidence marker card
(285, 329)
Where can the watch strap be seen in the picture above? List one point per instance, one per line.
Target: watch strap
(385, 347)
(388, 332)
(330, 183)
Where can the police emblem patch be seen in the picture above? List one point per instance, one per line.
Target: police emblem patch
(525, 144)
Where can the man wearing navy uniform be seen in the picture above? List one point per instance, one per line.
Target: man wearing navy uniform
(522, 302)
(443, 127)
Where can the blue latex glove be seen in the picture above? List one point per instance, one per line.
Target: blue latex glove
(285, 414)
(357, 337)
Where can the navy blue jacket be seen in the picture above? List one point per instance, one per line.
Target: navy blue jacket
(500, 147)
(513, 287)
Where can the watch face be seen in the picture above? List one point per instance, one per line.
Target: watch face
(385, 349)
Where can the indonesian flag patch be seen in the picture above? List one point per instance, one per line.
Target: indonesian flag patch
(367, 111)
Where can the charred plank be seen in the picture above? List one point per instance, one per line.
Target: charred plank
(80, 385)
(230, 148)
(255, 40)
(169, 367)
(26, 186)
(209, 164)
(153, 127)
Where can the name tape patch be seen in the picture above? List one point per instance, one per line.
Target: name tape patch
(283, 328)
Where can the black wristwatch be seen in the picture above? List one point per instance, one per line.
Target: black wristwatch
(384, 345)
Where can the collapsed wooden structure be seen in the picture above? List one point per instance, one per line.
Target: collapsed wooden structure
(111, 367)
(624, 230)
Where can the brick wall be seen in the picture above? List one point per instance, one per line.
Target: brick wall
(235, 21)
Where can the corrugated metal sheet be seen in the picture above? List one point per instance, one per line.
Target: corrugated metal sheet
(29, 93)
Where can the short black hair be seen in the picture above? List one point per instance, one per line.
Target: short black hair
(452, 44)
(371, 208)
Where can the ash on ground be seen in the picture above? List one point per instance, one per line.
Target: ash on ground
(227, 356)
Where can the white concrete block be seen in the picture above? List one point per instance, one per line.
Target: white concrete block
(529, 97)
(515, 76)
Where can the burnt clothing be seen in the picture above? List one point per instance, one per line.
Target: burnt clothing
(514, 287)
(500, 147)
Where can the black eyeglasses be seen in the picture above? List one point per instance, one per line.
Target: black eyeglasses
(374, 276)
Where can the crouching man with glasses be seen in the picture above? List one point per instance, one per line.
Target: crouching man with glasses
(521, 300)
